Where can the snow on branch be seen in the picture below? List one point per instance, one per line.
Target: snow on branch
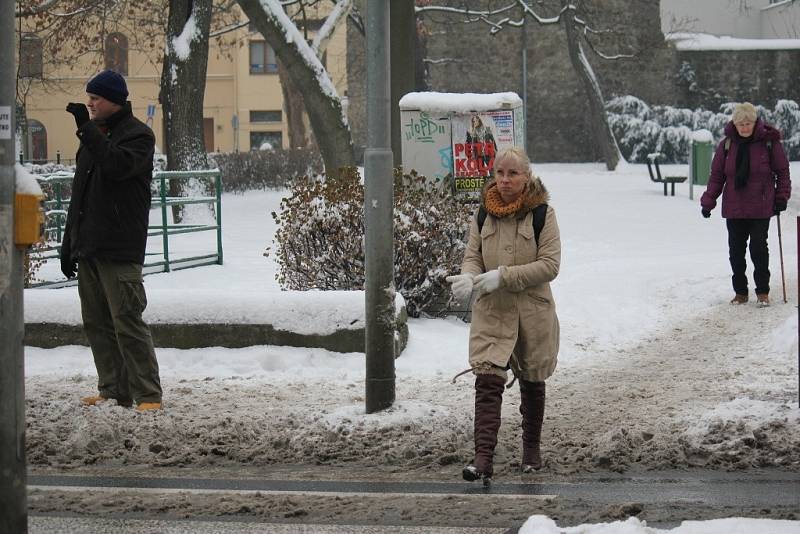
(497, 26)
(338, 14)
(44, 6)
(292, 36)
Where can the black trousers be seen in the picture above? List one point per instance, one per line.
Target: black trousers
(739, 231)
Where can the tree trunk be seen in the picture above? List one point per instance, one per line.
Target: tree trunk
(402, 50)
(323, 106)
(597, 111)
(293, 107)
(183, 86)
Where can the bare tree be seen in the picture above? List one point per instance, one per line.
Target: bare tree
(578, 33)
(304, 68)
(183, 86)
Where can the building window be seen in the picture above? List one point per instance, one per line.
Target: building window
(30, 57)
(265, 140)
(37, 141)
(117, 53)
(262, 58)
(266, 116)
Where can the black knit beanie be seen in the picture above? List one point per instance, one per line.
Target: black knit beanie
(110, 85)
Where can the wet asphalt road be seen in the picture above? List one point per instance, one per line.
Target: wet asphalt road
(712, 491)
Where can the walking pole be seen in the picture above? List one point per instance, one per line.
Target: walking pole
(780, 250)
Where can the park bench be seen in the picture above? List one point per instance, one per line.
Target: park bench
(652, 160)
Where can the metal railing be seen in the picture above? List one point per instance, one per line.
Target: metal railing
(167, 259)
(166, 229)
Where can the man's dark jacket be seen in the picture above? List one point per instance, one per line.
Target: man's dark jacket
(109, 211)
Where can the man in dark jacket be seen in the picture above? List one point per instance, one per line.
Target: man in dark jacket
(105, 238)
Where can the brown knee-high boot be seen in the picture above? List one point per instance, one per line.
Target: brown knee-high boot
(488, 402)
(531, 407)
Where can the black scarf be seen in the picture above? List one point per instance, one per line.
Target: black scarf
(743, 162)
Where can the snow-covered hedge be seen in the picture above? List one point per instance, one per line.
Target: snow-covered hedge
(320, 237)
(642, 129)
(265, 169)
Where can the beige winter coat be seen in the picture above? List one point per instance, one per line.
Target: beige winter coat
(519, 318)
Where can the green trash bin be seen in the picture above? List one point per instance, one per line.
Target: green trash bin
(702, 152)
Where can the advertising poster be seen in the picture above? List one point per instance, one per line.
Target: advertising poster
(425, 143)
(476, 139)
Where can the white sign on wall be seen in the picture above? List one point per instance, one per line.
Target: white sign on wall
(5, 122)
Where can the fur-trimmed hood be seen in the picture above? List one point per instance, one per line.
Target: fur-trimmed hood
(535, 194)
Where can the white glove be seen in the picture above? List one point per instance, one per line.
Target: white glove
(487, 282)
(461, 285)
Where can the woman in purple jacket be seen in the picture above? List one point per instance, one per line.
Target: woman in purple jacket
(751, 171)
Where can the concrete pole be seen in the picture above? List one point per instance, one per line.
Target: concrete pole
(13, 499)
(378, 206)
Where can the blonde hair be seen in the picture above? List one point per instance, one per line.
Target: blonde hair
(518, 154)
(744, 111)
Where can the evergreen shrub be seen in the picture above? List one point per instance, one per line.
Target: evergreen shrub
(320, 237)
(641, 129)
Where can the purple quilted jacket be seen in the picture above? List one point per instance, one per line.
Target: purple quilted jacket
(768, 181)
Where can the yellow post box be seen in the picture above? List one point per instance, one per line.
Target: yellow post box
(28, 219)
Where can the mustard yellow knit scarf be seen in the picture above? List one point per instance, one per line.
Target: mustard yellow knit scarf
(495, 205)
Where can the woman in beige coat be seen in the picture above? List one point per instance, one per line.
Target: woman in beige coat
(514, 323)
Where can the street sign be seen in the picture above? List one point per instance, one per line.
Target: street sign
(5, 122)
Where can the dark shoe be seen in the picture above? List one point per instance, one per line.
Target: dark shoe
(531, 406)
(470, 473)
(763, 300)
(488, 402)
(739, 299)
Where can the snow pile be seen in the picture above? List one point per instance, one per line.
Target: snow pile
(702, 136)
(182, 44)
(539, 524)
(459, 102)
(304, 312)
(26, 183)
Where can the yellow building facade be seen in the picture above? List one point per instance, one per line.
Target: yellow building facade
(243, 104)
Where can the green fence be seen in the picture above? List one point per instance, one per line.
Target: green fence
(56, 187)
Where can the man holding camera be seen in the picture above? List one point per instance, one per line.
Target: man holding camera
(105, 238)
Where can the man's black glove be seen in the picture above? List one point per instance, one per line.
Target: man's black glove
(68, 265)
(779, 206)
(80, 113)
(705, 213)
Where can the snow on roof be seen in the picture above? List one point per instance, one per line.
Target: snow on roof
(704, 41)
(459, 102)
(26, 183)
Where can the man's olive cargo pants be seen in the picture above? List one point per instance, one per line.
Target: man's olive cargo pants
(112, 301)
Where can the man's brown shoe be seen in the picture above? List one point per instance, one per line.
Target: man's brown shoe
(96, 400)
(739, 299)
(763, 300)
(93, 400)
(148, 406)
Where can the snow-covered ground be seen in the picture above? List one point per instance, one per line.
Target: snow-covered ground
(656, 370)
